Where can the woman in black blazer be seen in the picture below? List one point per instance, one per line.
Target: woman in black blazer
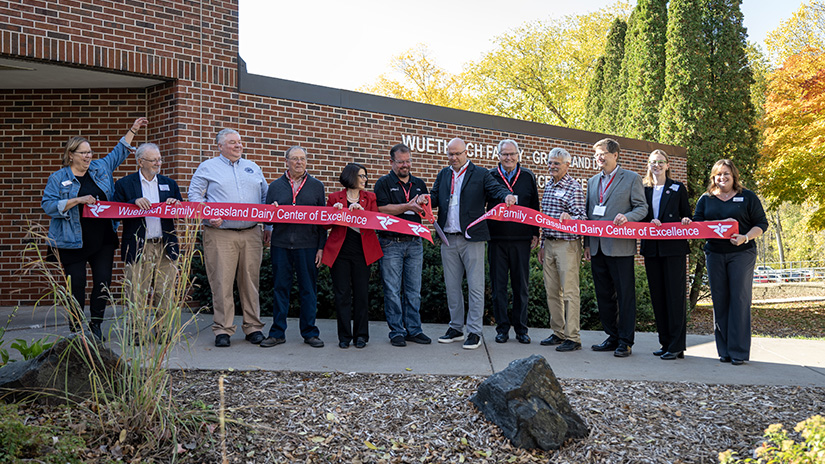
(666, 260)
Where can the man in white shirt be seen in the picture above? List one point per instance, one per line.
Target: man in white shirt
(149, 246)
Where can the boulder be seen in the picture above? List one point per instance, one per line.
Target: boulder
(527, 403)
(58, 374)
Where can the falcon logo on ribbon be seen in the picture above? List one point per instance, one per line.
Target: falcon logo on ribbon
(97, 208)
(417, 229)
(386, 221)
(720, 229)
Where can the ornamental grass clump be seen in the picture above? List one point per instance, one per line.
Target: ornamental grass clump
(137, 414)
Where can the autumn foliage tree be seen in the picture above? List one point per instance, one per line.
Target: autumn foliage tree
(795, 134)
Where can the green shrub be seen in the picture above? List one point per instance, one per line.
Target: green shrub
(23, 442)
(780, 447)
(433, 294)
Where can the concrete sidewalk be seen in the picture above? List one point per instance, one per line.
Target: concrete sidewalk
(773, 361)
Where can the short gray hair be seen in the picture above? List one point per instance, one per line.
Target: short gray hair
(507, 142)
(293, 148)
(143, 148)
(223, 133)
(559, 153)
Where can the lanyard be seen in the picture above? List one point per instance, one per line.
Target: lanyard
(456, 176)
(407, 191)
(292, 187)
(501, 173)
(602, 191)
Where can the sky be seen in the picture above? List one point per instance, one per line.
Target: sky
(349, 43)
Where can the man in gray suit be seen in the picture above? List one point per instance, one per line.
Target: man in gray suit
(614, 195)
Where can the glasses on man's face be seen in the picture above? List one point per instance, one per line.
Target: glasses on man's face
(401, 162)
(458, 153)
(504, 155)
(152, 161)
(657, 162)
(554, 163)
(296, 159)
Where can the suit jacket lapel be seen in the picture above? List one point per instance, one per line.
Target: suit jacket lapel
(470, 170)
(666, 194)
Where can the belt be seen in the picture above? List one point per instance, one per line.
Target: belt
(453, 233)
(154, 240)
(400, 238)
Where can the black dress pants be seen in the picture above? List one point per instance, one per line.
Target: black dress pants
(350, 287)
(615, 284)
(509, 266)
(100, 261)
(667, 277)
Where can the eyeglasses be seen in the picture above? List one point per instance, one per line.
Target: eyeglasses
(507, 154)
(296, 159)
(659, 162)
(459, 153)
(554, 163)
(83, 153)
(152, 161)
(363, 176)
(402, 162)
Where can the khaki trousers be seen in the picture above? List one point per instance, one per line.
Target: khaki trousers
(149, 279)
(234, 255)
(562, 259)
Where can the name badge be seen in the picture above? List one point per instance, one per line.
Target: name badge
(599, 210)
(410, 212)
(674, 187)
(163, 187)
(516, 198)
(558, 193)
(738, 199)
(66, 183)
(453, 200)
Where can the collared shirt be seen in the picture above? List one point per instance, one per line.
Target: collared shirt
(219, 180)
(453, 225)
(509, 174)
(604, 182)
(149, 190)
(389, 190)
(564, 196)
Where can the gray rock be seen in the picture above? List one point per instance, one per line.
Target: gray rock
(527, 403)
(59, 374)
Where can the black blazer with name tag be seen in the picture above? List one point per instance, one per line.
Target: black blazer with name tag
(672, 208)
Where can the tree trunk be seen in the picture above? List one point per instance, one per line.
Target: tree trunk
(698, 276)
(778, 232)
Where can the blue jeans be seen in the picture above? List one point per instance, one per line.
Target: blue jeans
(301, 262)
(401, 268)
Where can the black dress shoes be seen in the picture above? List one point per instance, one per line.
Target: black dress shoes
(607, 345)
(360, 342)
(222, 341)
(737, 362)
(552, 340)
(255, 338)
(343, 345)
(502, 338)
(523, 338)
(724, 359)
(659, 352)
(668, 356)
(622, 351)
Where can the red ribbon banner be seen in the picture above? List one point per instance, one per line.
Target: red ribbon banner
(319, 215)
(632, 230)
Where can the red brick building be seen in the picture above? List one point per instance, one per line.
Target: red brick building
(74, 67)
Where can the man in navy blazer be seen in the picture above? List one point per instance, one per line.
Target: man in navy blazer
(149, 246)
(460, 193)
(614, 195)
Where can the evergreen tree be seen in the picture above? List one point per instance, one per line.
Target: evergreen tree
(612, 87)
(595, 103)
(643, 70)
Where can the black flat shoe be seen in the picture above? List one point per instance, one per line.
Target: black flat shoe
(523, 338)
(737, 362)
(343, 345)
(622, 351)
(724, 359)
(659, 352)
(668, 356)
(360, 342)
(502, 338)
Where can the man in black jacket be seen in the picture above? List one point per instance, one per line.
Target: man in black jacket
(149, 246)
(510, 242)
(460, 192)
(296, 249)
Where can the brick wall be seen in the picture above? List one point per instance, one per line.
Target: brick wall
(193, 47)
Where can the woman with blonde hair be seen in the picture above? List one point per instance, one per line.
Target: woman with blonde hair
(666, 260)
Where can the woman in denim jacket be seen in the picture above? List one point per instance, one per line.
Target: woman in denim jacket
(77, 240)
